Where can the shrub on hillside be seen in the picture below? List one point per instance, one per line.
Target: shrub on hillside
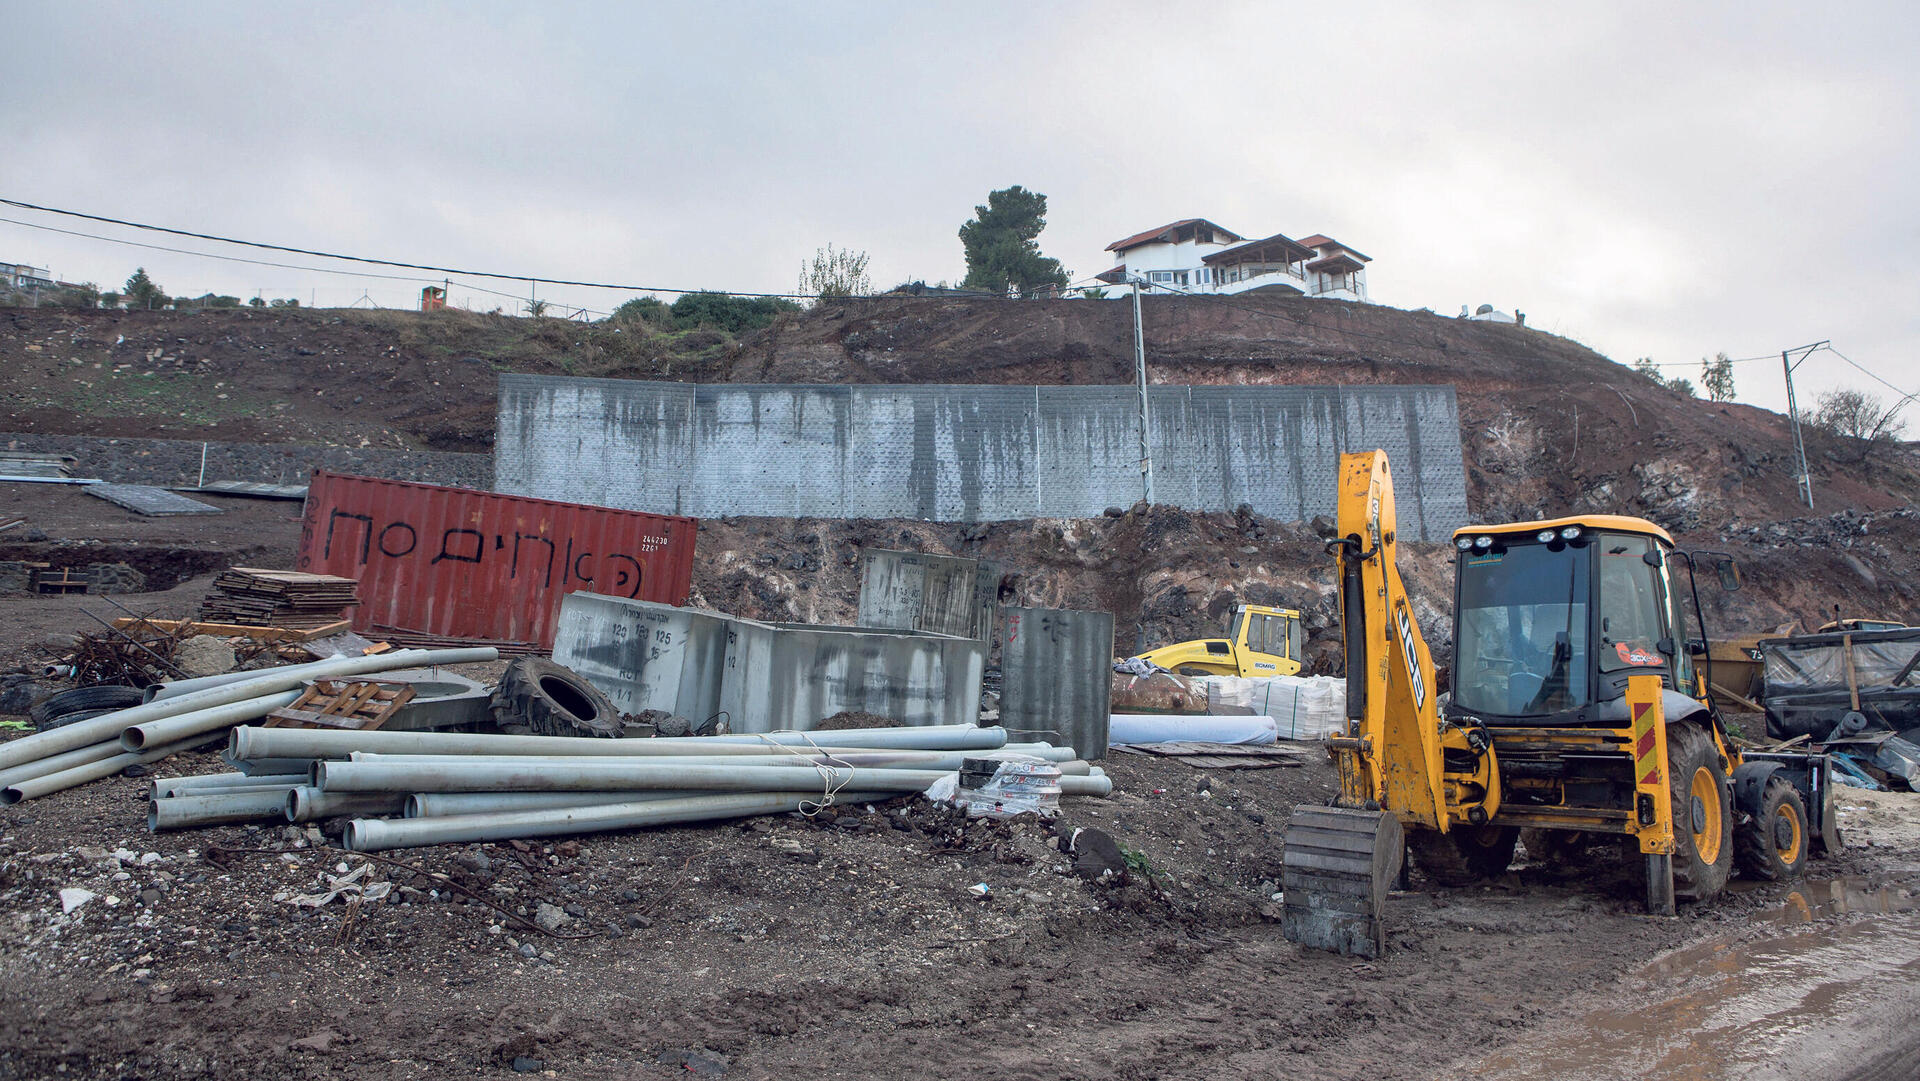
(735, 315)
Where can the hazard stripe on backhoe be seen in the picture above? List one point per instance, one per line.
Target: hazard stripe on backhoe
(1646, 761)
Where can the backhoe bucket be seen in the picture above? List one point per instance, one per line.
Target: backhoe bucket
(1336, 870)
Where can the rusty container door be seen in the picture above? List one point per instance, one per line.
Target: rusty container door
(462, 563)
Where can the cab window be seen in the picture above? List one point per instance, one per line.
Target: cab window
(1631, 604)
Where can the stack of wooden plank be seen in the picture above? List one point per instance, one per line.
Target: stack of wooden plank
(270, 598)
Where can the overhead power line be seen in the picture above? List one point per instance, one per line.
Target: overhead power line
(1904, 394)
(441, 270)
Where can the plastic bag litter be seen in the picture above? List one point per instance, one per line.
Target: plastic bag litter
(1900, 758)
(1138, 666)
(349, 883)
(1001, 787)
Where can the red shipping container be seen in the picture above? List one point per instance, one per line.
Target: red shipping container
(461, 563)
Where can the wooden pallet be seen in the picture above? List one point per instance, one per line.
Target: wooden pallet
(352, 704)
(186, 628)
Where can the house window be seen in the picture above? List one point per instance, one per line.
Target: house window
(1180, 278)
(1159, 275)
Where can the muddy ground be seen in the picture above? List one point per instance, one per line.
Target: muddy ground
(847, 945)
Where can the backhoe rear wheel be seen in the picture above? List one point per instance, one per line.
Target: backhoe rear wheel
(1463, 855)
(1702, 813)
(1772, 845)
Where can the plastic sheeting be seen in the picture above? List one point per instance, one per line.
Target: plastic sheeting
(1819, 662)
(1128, 728)
(1304, 707)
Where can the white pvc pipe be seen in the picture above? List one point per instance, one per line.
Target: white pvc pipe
(373, 835)
(248, 744)
(928, 760)
(155, 692)
(942, 737)
(448, 804)
(79, 756)
(484, 775)
(305, 803)
(216, 808)
(49, 783)
(1100, 786)
(202, 721)
(109, 726)
(212, 783)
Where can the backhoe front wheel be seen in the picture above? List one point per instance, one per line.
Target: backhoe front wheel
(1463, 855)
(1772, 844)
(1702, 813)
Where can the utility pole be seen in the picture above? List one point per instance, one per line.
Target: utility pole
(1793, 414)
(1140, 368)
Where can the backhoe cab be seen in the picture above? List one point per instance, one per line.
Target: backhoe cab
(1261, 641)
(1577, 709)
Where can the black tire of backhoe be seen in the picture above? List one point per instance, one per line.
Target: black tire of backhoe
(1754, 852)
(520, 702)
(1689, 747)
(1464, 855)
(58, 708)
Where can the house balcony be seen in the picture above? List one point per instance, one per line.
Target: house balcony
(1253, 279)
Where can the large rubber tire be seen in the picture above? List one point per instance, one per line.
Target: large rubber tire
(1702, 813)
(542, 698)
(1463, 855)
(60, 707)
(1772, 845)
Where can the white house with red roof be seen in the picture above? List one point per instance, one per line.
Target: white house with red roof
(1197, 256)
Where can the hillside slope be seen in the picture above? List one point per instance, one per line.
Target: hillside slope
(1548, 426)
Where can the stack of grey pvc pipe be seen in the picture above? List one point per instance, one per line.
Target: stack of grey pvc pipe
(102, 746)
(456, 787)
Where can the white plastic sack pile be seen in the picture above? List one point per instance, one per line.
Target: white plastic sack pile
(1303, 707)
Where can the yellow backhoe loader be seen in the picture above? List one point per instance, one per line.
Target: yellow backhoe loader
(1576, 708)
(1261, 641)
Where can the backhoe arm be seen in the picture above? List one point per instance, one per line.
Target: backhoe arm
(1391, 758)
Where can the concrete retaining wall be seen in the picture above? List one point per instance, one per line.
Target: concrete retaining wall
(968, 453)
(764, 676)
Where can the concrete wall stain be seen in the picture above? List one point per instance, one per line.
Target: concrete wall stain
(969, 453)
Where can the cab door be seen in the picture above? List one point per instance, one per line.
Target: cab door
(1269, 645)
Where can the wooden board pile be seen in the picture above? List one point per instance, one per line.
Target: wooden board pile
(270, 598)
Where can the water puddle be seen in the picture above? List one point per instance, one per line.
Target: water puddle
(1820, 899)
(1819, 1000)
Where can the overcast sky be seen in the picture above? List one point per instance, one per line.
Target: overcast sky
(1654, 179)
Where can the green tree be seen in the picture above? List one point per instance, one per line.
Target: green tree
(1716, 376)
(1001, 242)
(536, 308)
(142, 292)
(835, 272)
(257, 302)
(1646, 366)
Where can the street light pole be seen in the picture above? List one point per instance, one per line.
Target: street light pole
(1793, 415)
(1140, 369)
